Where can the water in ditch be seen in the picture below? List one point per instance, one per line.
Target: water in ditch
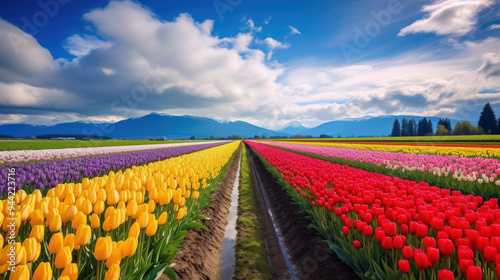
(226, 268)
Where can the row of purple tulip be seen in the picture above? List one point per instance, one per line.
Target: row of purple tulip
(47, 174)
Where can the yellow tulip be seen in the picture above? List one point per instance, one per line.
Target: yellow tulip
(38, 195)
(101, 195)
(114, 258)
(70, 199)
(86, 207)
(102, 248)
(25, 212)
(152, 227)
(195, 195)
(181, 213)
(43, 271)
(71, 271)
(31, 247)
(20, 273)
(99, 207)
(83, 235)
(135, 230)
(63, 258)
(69, 213)
(143, 219)
(56, 243)
(38, 233)
(69, 241)
(130, 246)
(113, 273)
(109, 211)
(4, 267)
(21, 256)
(63, 278)
(177, 196)
(37, 217)
(95, 221)
(113, 197)
(151, 206)
(79, 219)
(162, 219)
(55, 224)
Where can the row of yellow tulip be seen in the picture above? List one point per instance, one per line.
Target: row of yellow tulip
(450, 150)
(124, 225)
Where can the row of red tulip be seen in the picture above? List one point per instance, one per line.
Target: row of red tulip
(389, 228)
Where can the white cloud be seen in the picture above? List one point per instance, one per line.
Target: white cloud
(448, 17)
(494, 26)
(252, 27)
(293, 30)
(79, 45)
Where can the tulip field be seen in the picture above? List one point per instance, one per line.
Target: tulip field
(389, 227)
(116, 216)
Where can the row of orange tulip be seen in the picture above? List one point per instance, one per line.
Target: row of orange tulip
(107, 227)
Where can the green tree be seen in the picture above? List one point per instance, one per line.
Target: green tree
(396, 129)
(441, 130)
(465, 128)
(487, 119)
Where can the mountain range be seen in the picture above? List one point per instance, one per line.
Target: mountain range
(179, 127)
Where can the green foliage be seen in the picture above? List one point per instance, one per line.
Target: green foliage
(250, 255)
(13, 145)
(441, 130)
(487, 119)
(465, 128)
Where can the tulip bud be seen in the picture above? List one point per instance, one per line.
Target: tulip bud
(143, 219)
(420, 260)
(129, 247)
(113, 197)
(474, 273)
(56, 243)
(433, 255)
(113, 272)
(71, 271)
(131, 208)
(43, 272)
(152, 227)
(55, 223)
(99, 207)
(37, 217)
(94, 221)
(83, 235)
(63, 258)
(151, 206)
(356, 244)
(135, 230)
(69, 241)
(78, 220)
(38, 233)
(404, 266)
(445, 246)
(32, 249)
(445, 275)
(20, 273)
(102, 248)
(490, 253)
(70, 213)
(163, 218)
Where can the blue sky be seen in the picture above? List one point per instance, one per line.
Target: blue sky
(266, 63)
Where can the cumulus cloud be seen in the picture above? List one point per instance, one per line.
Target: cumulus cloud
(494, 26)
(80, 45)
(448, 17)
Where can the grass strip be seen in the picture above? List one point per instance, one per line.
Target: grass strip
(250, 253)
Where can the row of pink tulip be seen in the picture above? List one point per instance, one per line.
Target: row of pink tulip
(460, 168)
(54, 154)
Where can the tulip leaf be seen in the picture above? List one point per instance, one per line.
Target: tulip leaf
(195, 225)
(179, 236)
(138, 274)
(200, 217)
(170, 273)
(379, 272)
(157, 271)
(171, 256)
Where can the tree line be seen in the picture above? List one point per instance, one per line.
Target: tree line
(487, 124)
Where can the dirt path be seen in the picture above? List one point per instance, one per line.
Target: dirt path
(199, 256)
(310, 256)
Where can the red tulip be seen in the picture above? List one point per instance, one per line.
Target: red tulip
(387, 243)
(345, 230)
(463, 264)
(368, 231)
(422, 230)
(437, 224)
(433, 255)
(379, 234)
(482, 242)
(407, 252)
(474, 273)
(421, 260)
(404, 266)
(368, 218)
(442, 235)
(498, 269)
(445, 275)
(398, 242)
(429, 242)
(490, 253)
(390, 229)
(404, 229)
(356, 244)
(465, 253)
(445, 246)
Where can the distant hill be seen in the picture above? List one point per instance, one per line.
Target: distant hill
(294, 127)
(376, 126)
(152, 125)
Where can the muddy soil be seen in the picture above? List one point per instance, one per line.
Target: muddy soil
(310, 256)
(199, 256)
